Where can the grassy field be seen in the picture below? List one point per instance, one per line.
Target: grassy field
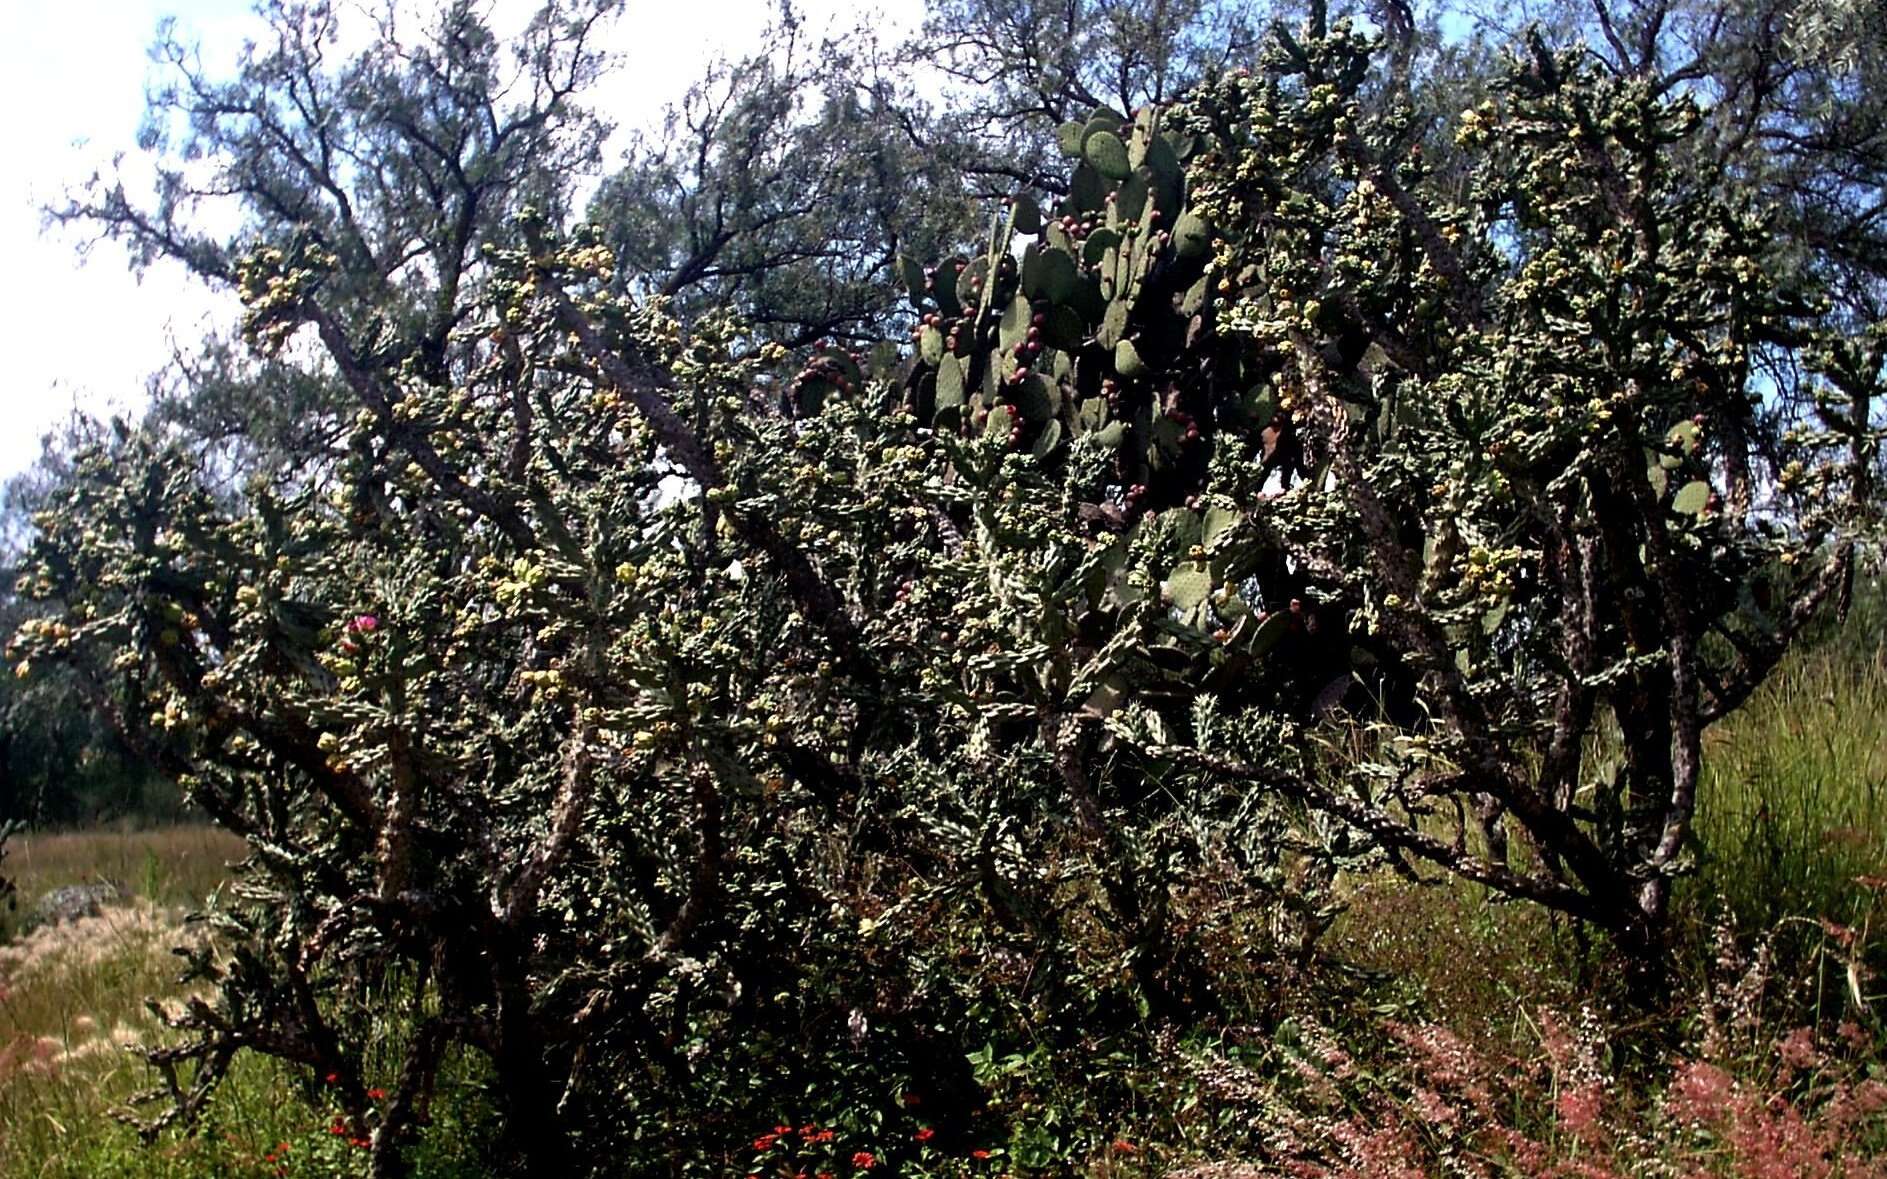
(1793, 805)
(169, 866)
(1792, 837)
(73, 1008)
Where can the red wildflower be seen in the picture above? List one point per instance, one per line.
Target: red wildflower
(364, 623)
(979, 1153)
(332, 1078)
(376, 1094)
(924, 1135)
(782, 1130)
(1122, 1146)
(765, 1142)
(864, 1160)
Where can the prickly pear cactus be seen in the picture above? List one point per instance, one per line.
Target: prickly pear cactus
(1086, 337)
(1093, 320)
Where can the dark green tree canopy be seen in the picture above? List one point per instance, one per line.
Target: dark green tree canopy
(785, 184)
(404, 160)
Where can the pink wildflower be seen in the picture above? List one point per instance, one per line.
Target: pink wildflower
(1580, 1108)
(1797, 1049)
(1701, 1094)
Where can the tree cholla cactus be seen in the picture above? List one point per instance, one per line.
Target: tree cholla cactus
(650, 717)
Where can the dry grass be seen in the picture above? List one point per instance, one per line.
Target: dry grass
(72, 999)
(68, 963)
(1452, 947)
(168, 866)
(71, 1019)
(72, 1010)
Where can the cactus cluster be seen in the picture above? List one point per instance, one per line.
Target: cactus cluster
(1087, 320)
(647, 701)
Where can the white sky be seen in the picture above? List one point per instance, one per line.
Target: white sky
(72, 79)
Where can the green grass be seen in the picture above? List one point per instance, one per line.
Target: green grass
(1792, 806)
(73, 1010)
(74, 997)
(1791, 829)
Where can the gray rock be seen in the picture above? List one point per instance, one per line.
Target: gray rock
(75, 901)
